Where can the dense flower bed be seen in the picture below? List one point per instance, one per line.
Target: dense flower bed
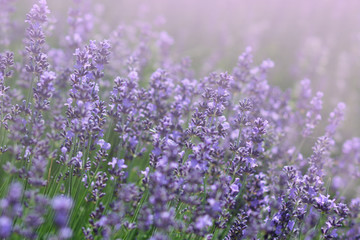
(115, 139)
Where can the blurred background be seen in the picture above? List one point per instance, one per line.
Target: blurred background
(319, 40)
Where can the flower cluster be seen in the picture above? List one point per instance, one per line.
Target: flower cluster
(114, 139)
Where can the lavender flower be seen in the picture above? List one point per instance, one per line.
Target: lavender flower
(44, 90)
(62, 206)
(335, 119)
(117, 139)
(203, 222)
(5, 23)
(35, 38)
(313, 116)
(5, 227)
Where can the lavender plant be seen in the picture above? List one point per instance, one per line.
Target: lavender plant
(114, 139)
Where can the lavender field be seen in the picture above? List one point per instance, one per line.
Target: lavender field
(179, 120)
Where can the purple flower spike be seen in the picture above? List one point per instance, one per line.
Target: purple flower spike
(5, 227)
